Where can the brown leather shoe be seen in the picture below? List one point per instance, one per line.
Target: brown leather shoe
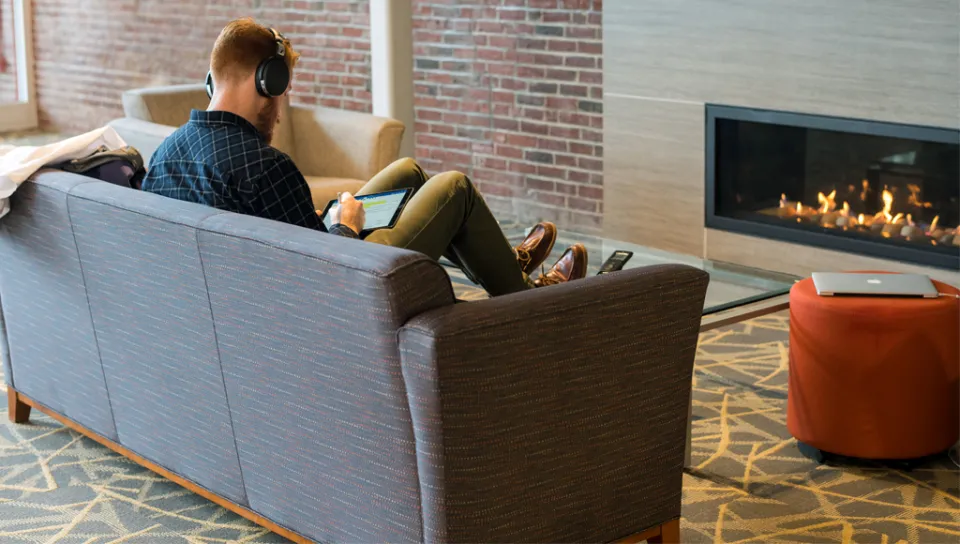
(572, 265)
(536, 247)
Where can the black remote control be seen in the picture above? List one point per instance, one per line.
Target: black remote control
(615, 262)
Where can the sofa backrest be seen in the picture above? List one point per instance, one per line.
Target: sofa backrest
(257, 359)
(311, 364)
(45, 307)
(155, 332)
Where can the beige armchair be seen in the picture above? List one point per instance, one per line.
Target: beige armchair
(336, 150)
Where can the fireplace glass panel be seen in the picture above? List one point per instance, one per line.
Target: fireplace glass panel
(881, 194)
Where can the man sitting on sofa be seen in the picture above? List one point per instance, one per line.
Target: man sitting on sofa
(222, 157)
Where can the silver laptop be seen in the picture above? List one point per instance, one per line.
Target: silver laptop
(829, 284)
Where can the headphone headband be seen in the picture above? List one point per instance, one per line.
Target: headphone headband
(281, 47)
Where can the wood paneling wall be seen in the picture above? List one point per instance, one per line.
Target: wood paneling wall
(653, 156)
(889, 60)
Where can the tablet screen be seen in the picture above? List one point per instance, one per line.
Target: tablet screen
(379, 208)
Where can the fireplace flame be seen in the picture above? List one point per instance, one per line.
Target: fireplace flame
(885, 223)
(914, 198)
(887, 205)
(827, 204)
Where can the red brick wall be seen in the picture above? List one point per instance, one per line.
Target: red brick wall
(509, 91)
(88, 52)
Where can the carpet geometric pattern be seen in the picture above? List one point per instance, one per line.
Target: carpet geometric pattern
(748, 483)
(58, 486)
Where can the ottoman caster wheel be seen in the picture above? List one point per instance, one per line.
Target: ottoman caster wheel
(909, 465)
(812, 453)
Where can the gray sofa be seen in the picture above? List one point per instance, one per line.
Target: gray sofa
(333, 389)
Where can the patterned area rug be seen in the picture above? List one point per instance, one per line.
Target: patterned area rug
(749, 484)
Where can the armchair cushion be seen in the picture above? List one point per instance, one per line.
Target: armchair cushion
(343, 144)
(169, 105)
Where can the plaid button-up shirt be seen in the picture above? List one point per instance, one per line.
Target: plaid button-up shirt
(220, 159)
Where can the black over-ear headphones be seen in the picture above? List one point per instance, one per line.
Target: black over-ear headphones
(273, 74)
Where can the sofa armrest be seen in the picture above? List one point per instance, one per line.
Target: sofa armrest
(168, 105)
(144, 136)
(557, 414)
(343, 144)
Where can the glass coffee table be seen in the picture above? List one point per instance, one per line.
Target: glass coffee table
(735, 293)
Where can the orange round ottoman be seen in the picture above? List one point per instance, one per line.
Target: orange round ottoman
(874, 377)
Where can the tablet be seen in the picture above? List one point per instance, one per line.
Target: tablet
(382, 209)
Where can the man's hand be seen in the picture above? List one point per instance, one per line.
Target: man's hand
(349, 213)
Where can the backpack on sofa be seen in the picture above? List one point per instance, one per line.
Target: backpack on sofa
(123, 166)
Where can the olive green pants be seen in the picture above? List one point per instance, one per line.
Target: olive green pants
(447, 216)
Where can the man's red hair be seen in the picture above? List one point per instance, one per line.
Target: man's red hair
(241, 47)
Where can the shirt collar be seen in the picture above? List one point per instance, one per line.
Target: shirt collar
(223, 118)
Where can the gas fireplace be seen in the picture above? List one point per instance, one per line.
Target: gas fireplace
(879, 189)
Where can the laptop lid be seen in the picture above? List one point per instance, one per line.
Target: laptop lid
(891, 285)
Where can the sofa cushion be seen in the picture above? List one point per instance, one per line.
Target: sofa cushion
(323, 190)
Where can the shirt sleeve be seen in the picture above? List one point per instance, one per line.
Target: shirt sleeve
(345, 231)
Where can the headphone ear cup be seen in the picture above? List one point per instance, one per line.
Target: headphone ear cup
(273, 77)
(209, 84)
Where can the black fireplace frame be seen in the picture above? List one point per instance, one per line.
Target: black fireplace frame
(823, 239)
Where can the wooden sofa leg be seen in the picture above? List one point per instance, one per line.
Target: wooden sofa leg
(669, 533)
(17, 410)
